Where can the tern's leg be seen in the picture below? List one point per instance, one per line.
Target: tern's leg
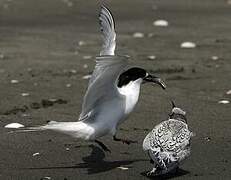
(103, 146)
(126, 141)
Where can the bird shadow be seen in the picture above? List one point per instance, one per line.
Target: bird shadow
(95, 163)
(178, 173)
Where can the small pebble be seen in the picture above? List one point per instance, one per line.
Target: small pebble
(25, 94)
(25, 115)
(150, 35)
(2, 56)
(14, 125)
(87, 57)
(87, 76)
(36, 154)
(123, 168)
(151, 57)
(213, 81)
(69, 4)
(46, 178)
(208, 139)
(82, 43)
(52, 99)
(138, 35)
(68, 85)
(160, 23)
(214, 58)
(73, 71)
(67, 149)
(85, 66)
(29, 69)
(188, 45)
(223, 102)
(228, 92)
(14, 81)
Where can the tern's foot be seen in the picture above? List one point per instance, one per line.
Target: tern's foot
(125, 141)
(103, 146)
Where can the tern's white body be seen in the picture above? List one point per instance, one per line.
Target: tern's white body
(105, 104)
(131, 93)
(109, 115)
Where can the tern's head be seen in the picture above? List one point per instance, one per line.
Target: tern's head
(138, 74)
(177, 113)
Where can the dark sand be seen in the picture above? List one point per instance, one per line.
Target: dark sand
(39, 44)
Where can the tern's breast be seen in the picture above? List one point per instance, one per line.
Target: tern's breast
(131, 92)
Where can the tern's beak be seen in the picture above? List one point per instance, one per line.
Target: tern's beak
(156, 80)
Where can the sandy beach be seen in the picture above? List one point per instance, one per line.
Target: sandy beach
(47, 49)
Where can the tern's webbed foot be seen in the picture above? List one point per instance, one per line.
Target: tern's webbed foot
(103, 146)
(125, 141)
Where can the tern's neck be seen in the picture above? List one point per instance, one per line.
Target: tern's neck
(131, 92)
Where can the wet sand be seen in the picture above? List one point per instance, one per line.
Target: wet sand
(48, 46)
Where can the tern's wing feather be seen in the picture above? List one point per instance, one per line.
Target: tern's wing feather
(102, 85)
(107, 27)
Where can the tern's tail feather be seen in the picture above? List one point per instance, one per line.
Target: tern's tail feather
(75, 129)
(107, 27)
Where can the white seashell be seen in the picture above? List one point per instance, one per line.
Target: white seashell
(123, 168)
(228, 92)
(151, 57)
(25, 94)
(223, 102)
(82, 43)
(36, 154)
(214, 58)
(68, 85)
(138, 35)
(73, 71)
(47, 177)
(188, 45)
(86, 76)
(14, 125)
(161, 23)
(14, 81)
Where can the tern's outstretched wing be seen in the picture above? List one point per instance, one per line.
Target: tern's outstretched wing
(107, 27)
(103, 83)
